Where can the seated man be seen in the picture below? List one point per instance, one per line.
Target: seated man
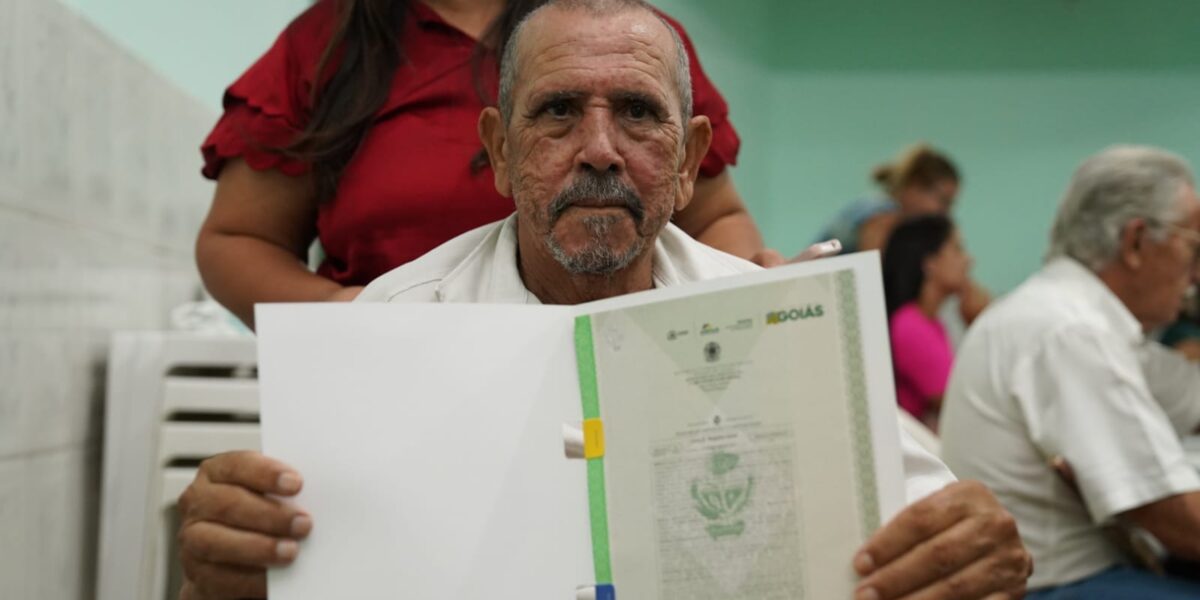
(1061, 369)
(595, 141)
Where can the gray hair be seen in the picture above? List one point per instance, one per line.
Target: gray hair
(509, 60)
(1110, 189)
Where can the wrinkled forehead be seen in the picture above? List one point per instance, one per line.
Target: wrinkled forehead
(575, 48)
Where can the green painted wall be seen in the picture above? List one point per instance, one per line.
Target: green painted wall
(1018, 91)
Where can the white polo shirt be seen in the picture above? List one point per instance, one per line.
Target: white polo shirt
(1060, 367)
(481, 266)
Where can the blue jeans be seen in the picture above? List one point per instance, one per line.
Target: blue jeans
(1121, 583)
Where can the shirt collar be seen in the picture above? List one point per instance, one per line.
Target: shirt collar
(490, 272)
(1089, 286)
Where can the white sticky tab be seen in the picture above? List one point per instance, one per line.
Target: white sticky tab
(572, 441)
(585, 592)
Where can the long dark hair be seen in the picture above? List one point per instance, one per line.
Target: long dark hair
(364, 53)
(910, 244)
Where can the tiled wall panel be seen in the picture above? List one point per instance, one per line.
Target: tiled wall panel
(100, 198)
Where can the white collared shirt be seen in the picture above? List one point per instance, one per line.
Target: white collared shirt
(1060, 367)
(481, 266)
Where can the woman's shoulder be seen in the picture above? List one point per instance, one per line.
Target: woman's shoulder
(306, 36)
(883, 218)
(318, 18)
(854, 214)
(669, 19)
(910, 319)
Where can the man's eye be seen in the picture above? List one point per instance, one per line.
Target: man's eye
(638, 111)
(558, 109)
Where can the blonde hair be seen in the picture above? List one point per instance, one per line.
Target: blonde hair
(918, 164)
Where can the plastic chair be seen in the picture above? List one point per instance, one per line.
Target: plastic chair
(172, 401)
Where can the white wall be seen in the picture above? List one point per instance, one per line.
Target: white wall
(100, 199)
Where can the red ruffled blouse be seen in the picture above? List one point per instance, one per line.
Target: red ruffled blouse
(410, 186)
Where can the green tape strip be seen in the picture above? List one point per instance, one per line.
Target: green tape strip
(601, 559)
(585, 360)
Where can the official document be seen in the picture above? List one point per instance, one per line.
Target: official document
(741, 440)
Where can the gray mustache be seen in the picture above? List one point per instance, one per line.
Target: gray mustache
(592, 187)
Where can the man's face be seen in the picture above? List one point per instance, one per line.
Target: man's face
(1170, 265)
(595, 154)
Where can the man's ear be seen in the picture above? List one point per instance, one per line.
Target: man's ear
(1133, 238)
(493, 135)
(699, 136)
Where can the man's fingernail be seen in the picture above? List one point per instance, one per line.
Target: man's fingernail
(866, 594)
(286, 549)
(289, 483)
(301, 525)
(863, 563)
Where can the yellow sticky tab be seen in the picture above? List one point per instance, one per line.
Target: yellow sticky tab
(593, 438)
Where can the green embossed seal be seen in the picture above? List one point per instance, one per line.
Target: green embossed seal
(723, 496)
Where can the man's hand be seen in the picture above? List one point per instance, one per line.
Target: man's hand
(232, 531)
(958, 543)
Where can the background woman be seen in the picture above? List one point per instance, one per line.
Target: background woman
(920, 181)
(924, 265)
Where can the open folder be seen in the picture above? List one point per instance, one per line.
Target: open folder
(732, 439)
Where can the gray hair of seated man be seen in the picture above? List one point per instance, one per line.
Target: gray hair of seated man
(1110, 189)
(509, 62)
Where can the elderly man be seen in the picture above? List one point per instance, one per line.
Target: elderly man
(595, 142)
(1060, 374)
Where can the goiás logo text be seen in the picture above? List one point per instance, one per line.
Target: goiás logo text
(812, 311)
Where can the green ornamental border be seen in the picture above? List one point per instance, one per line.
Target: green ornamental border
(857, 402)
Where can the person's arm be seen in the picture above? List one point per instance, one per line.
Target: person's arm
(717, 217)
(972, 300)
(1097, 414)
(233, 529)
(253, 245)
(956, 543)
(875, 231)
(1174, 521)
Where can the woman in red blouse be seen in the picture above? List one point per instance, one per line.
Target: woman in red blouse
(358, 128)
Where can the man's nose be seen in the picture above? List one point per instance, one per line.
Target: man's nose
(598, 149)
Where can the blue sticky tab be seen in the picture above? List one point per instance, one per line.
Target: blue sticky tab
(605, 591)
